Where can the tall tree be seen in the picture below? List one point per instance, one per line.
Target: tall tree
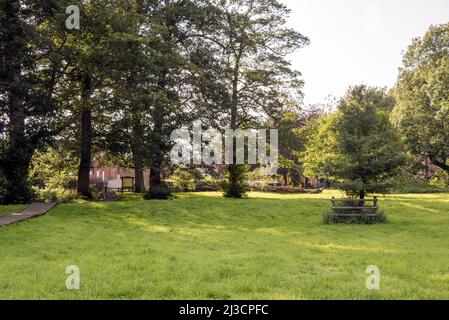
(174, 77)
(295, 128)
(93, 52)
(31, 67)
(251, 41)
(154, 82)
(357, 146)
(422, 94)
(130, 82)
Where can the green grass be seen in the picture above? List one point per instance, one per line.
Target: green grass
(6, 210)
(420, 187)
(201, 246)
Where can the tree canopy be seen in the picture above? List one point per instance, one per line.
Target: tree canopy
(357, 146)
(422, 94)
(130, 74)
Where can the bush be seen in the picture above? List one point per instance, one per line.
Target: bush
(184, 180)
(173, 186)
(52, 168)
(14, 193)
(161, 192)
(95, 192)
(192, 179)
(235, 183)
(60, 195)
(207, 184)
(329, 217)
(441, 179)
(50, 172)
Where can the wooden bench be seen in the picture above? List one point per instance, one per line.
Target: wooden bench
(355, 207)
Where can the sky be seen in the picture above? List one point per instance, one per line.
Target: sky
(357, 41)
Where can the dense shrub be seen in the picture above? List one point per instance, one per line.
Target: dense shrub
(50, 172)
(60, 195)
(184, 180)
(14, 194)
(95, 192)
(208, 183)
(440, 179)
(52, 168)
(161, 192)
(192, 179)
(235, 184)
(329, 217)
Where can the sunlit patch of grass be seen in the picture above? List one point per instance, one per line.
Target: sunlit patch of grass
(202, 246)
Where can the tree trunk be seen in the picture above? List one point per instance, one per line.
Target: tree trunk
(157, 188)
(16, 159)
(306, 182)
(235, 190)
(155, 178)
(362, 195)
(138, 172)
(285, 176)
(441, 163)
(137, 145)
(86, 139)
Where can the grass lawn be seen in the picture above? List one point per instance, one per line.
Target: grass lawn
(6, 210)
(201, 246)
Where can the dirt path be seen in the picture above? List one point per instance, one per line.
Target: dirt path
(36, 209)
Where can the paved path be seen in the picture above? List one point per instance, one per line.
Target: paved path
(36, 209)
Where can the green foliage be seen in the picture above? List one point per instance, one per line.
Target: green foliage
(329, 217)
(422, 94)
(50, 172)
(186, 177)
(57, 194)
(31, 67)
(52, 167)
(357, 146)
(14, 189)
(135, 71)
(250, 40)
(95, 193)
(235, 184)
(184, 180)
(320, 148)
(159, 192)
(208, 183)
(440, 179)
(291, 143)
(3, 190)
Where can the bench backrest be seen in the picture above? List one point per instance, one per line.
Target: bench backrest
(115, 183)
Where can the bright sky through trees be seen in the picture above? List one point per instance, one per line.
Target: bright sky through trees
(357, 41)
